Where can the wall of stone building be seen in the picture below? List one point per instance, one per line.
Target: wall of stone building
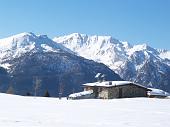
(100, 92)
(88, 88)
(127, 91)
(134, 91)
(114, 92)
(103, 93)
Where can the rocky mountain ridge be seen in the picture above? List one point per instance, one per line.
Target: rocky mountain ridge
(139, 63)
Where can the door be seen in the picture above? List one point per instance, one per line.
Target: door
(95, 91)
(120, 92)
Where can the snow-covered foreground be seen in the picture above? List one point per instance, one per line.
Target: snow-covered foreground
(18, 111)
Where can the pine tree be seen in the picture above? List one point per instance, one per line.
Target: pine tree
(10, 90)
(46, 94)
(28, 94)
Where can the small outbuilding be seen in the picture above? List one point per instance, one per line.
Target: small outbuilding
(116, 89)
(81, 95)
(157, 93)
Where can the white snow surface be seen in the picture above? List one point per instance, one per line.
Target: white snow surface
(81, 93)
(6, 65)
(107, 83)
(18, 111)
(165, 55)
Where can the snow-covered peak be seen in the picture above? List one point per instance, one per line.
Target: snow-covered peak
(13, 42)
(126, 45)
(108, 50)
(26, 40)
(19, 44)
(140, 47)
(144, 48)
(21, 40)
(77, 35)
(97, 48)
(71, 37)
(22, 35)
(93, 46)
(19, 37)
(83, 38)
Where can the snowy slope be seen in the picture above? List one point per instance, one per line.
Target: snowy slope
(18, 111)
(139, 63)
(15, 46)
(165, 55)
(98, 48)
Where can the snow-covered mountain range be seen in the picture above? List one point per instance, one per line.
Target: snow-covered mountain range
(26, 57)
(138, 63)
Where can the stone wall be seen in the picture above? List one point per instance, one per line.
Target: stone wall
(127, 91)
(103, 93)
(124, 91)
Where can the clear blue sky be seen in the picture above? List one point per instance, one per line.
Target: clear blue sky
(135, 21)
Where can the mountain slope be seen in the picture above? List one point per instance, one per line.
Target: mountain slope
(29, 58)
(17, 45)
(139, 63)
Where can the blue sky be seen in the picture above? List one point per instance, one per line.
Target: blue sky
(135, 21)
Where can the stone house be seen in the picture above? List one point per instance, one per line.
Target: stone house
(116, 89)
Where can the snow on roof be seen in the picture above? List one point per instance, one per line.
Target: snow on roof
(81, 94)
(111, 83)
(158, 92)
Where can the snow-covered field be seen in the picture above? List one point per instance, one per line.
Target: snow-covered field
(18, 111)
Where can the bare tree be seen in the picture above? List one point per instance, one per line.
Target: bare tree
(37, 85)
(61, 89)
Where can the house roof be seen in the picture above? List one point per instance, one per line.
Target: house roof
(112, 84)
